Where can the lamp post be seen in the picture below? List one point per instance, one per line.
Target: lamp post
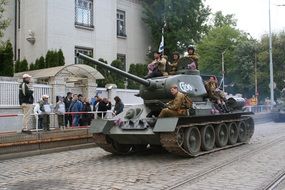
(270, 60)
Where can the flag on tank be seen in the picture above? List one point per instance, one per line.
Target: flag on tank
(161, 45)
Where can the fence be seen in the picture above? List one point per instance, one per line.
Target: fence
(9, 92)
(14, 122)
(258, 108)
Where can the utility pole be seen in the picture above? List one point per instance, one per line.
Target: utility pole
(270, 60)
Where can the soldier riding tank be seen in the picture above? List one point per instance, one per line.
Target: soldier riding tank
(200, 132)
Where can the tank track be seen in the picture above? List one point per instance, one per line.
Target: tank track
(101, 141)
(171, 143)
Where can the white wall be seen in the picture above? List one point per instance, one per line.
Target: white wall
(136, 44)
(52, 21)
(33, 17)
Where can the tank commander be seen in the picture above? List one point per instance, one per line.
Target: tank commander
(177, 106)
(194, 57)
(173, 66)
(215, 94)
(157, 67)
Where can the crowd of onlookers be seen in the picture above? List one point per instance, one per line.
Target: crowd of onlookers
(74, 110)
(71, 110)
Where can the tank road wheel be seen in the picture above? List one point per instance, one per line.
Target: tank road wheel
(233, 133)
(242, 132)
(208, 137)
(250, 127)
(222, 135)
(192, 140)
(180, 136)
(121, 148)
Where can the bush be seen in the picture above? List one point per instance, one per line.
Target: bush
(6, 60)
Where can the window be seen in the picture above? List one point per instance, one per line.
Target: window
(121, 23)
(84, 13)
(86, 51)
(122, 58)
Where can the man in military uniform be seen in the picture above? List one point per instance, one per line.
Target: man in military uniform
(175, 107)
(26, 100)
(215, 94)
(194, 57)
(157, 67)
(173, 66)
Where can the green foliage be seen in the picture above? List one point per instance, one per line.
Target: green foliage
(221, 20)
(278, 54)
(108, 78)
(4, 22)
(185, 22)
(139, 70)
(23, 65)
(54, 58)
(212, 46)
(118, 79)
(17, 66)
(61, 61)
(41, 63)
(6, 60)
(32, 67)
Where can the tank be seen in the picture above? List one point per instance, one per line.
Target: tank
(202, 131)
(278, 110)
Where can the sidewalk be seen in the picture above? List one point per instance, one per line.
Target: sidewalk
(12, 142)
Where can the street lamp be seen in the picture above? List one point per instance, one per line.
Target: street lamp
(270, 60)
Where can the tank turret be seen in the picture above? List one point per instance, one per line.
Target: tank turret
(157, 89)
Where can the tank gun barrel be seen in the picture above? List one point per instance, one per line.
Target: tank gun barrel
(114, 69)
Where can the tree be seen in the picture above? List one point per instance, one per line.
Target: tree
(238, 50)
(278, 54)
(221, 20)
(4, 23)
(185, 22)
(6, 60)
(138, 70)
(23, 65)
(61, 61)
(118, 79)
(41, 63)
(108, 78)
(32, 67)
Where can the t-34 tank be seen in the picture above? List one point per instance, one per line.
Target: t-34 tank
(278, 110)
(201, 132)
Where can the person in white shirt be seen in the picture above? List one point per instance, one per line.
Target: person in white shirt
(59, 110)
(43, 109)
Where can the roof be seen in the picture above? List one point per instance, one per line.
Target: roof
(68, 71)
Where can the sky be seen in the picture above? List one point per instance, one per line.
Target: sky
(253, 15)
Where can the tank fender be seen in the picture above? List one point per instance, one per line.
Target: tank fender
(165, 124)
(101, 126)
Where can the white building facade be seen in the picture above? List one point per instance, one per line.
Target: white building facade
(108, 29)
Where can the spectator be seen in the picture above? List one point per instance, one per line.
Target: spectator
(26, 100)
(103, 106)
(75, 106)
(119, 106)
(43, 109)
(86, 117)
(60, 111)
(67, 102)
(97, 99)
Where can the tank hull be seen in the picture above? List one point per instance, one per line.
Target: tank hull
(174, 136)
